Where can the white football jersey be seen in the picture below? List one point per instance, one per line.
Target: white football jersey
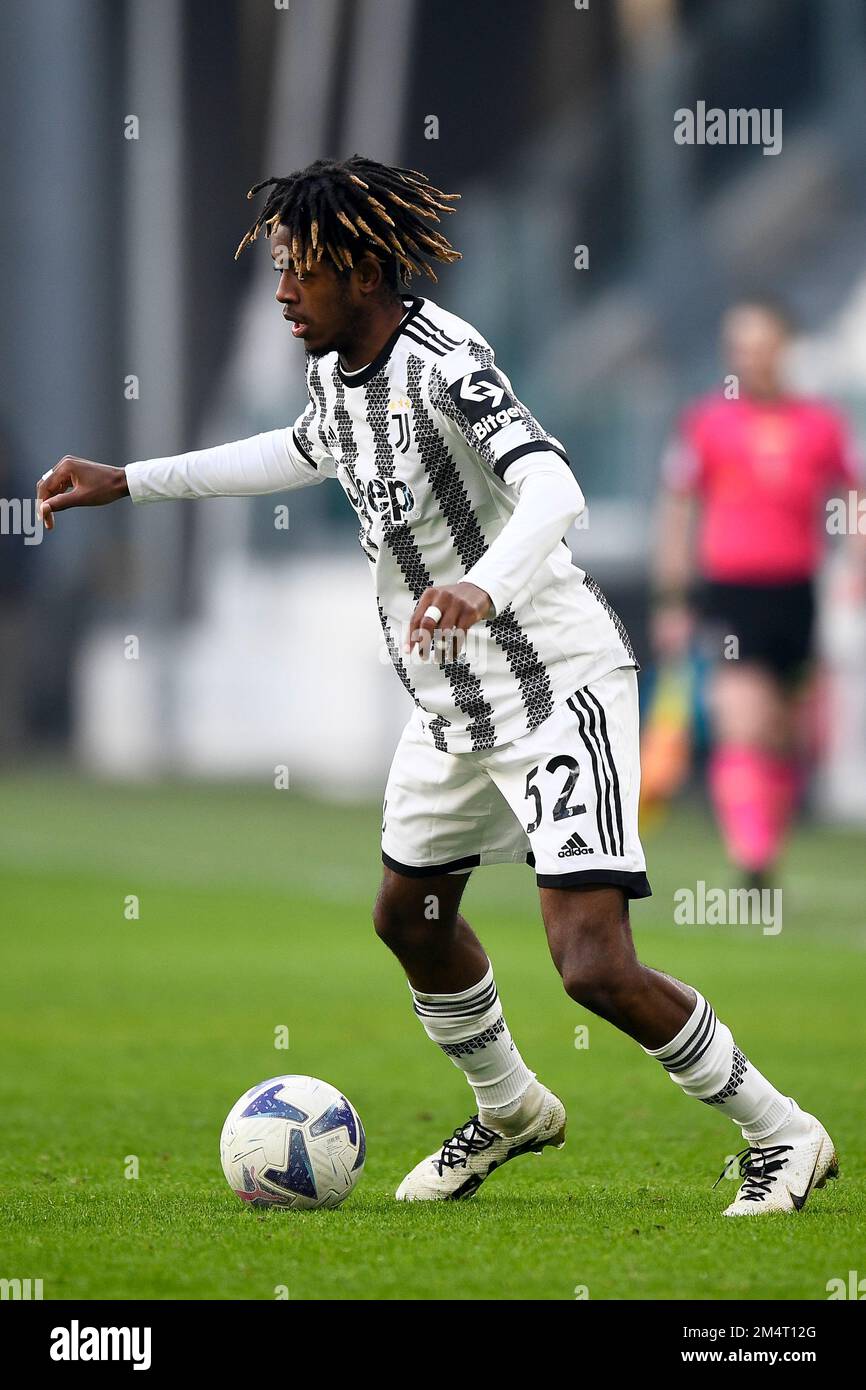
(421, 440)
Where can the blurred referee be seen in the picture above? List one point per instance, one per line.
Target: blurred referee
(750, 470)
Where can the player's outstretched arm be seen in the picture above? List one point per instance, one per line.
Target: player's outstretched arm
(75, 482)
(269, 462)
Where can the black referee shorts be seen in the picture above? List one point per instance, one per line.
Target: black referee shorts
(773, 624)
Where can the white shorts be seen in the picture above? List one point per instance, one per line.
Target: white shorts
(563, 799)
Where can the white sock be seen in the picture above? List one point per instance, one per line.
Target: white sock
(796, 1128)
(704, 1059)
(471, 1030)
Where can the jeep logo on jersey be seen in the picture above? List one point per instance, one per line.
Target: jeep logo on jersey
(392, 496)
(485, 401)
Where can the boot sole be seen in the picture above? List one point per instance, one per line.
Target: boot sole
(533, 1146)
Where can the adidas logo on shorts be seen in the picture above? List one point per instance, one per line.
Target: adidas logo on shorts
(575, 845)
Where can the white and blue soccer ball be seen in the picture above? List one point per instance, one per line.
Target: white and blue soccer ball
(293, 1141)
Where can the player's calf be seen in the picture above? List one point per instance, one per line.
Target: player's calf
(789, 1152)
(591, 944)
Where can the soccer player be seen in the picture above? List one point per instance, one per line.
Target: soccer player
(757, 468)
(523, 743)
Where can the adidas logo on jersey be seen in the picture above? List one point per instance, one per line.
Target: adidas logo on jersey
(575, 845)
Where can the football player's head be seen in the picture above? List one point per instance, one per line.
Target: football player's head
(345, 237)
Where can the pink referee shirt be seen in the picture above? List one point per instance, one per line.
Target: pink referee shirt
(763, 472)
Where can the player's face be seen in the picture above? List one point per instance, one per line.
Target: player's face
(318, 303)
(754, 343)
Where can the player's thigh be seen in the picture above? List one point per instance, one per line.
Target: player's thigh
(588, 933)
(443, 814)
(574, 784)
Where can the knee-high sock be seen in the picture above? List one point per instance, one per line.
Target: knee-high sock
(753, 794)
(704, 1059)
(471, 1029)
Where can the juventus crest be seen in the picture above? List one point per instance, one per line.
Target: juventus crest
(400, 432)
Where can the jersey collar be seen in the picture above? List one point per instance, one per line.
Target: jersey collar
(414, 302)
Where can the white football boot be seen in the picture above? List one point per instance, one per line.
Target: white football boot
(780, 1177)
(458, 1169)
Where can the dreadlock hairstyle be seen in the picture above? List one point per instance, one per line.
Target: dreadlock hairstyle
(341, 208)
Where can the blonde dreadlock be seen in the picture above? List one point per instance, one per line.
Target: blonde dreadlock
(340, 208)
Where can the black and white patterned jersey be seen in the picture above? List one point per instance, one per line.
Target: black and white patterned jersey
(421, 441)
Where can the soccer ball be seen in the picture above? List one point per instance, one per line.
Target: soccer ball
(293, 1141)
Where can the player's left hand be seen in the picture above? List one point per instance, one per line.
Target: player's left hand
(459, 606)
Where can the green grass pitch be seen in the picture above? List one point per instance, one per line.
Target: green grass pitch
(134, 1037)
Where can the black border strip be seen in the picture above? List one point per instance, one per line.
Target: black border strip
(537, 446)
(470, 861)
(301, 450)
(634, 883)
(361, 378)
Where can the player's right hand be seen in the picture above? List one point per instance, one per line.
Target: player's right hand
(75, 482)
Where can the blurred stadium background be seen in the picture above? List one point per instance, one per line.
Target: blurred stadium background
(555, 124)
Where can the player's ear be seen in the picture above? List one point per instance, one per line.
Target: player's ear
(368, 273)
